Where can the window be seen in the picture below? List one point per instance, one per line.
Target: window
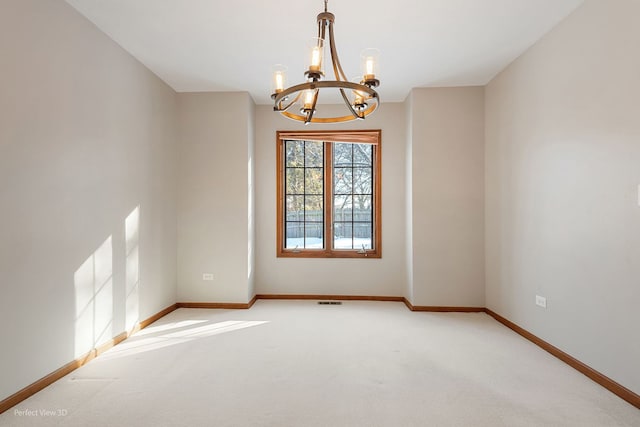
(328, 194)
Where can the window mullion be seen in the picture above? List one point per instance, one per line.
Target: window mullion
(353, 200)
(328, 197)
(304, 196)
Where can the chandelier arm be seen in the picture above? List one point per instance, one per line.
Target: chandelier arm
(334, 54)
(335, 60)
(348, 104)
(324, 29)
(280, 108)
(293, 89)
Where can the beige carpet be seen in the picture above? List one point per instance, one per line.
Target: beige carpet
(297, 363)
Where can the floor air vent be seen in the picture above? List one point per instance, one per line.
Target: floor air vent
(330, 302)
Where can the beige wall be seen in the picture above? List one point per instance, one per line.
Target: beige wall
(87, 190)
(562, 175)
(215, 215)
(442, 134)
(105, 171)
(447, 196)
(384, 276)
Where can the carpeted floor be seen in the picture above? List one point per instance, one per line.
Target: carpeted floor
(297, 363)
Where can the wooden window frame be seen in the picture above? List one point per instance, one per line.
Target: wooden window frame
(372, 137)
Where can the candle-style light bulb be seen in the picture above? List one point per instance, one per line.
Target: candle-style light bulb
(370, 63)
(359, 102)
(308, 99)
(316, 51)
(315, 58)
(279, 78)
(370, 66)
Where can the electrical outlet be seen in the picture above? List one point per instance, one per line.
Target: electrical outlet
(207, 276)
(541, 301)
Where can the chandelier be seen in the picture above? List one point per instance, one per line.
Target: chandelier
(299, 102)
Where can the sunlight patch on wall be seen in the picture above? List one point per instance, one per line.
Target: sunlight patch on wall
(93, 284)
(132, 227)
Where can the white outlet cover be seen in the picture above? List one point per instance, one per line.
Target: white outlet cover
(207, 276)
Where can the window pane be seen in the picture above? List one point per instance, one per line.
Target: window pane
(294, 153)
(294, 235)
(294, 207)
(353, 196)
(313, 207)
(362, 235)
(313, 181)
(313, 236)
(295, 181)
(342, 235)
(362, 181)
(342, 208)
(342, 154)
(342, 181)
(313, 154)
(362, 154)
(362, 208)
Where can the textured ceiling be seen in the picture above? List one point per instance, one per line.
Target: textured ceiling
(215, 45)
